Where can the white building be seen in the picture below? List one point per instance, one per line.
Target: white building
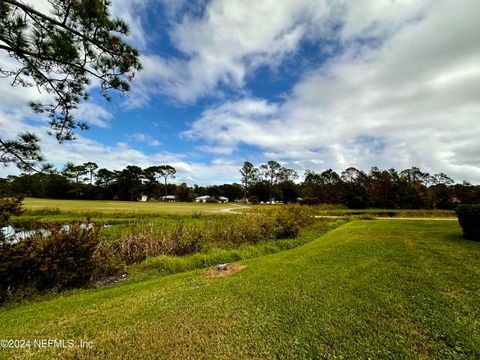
(203, 198)
(168, 198)
(222, 199)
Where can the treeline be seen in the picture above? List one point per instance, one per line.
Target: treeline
(88, 182)
(357, 189)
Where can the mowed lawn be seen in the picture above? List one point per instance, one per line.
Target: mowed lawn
(106, 206)
(369, 289)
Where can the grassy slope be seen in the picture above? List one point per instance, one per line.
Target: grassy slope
(436, 213)
(366, 289)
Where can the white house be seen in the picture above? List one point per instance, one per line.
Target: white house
(222, 199)
(168, 198)
(144, 198)
(203, 198)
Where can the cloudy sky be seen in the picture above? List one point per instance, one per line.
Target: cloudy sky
(313, 84)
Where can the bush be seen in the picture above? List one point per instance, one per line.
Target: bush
(291, 219)
(9, 206)
(222, 232)
(61, 260)
(469, 219)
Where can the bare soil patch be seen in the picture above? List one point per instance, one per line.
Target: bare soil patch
(221, 272)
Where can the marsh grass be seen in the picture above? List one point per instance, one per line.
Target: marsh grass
(181, 238)
(163, 265)
(60, 257)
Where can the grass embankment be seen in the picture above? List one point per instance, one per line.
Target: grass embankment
(393, 213)
(166, 265)
(367, 289)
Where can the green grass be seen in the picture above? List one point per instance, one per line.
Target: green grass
(117, 208)
(369, 289)
(126, 215)
(166, 265)
(410, 213)
(115, 212)
(121, 206)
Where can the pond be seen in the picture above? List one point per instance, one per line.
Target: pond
(13, 235)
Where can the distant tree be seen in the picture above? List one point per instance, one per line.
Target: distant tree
(287, 175)
(325, 187)
(68, 171)
(271, 172)
(90, 167)
(78, 172)
(441, 179)
(166, 172)
(59, 52)
(249, 174)
(356, 183)
(154, 173)
(104, 177)
(415, 175)
(412, 189)
(183, 192)
(106, 184)
(130, 183)
(311, 186)
(230, 191)
(289, 191)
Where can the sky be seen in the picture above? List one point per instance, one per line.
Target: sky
(312, 84)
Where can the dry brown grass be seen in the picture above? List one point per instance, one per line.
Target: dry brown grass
(231, 269)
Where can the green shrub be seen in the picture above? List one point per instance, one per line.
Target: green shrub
(221, 232)
(8, 207)
(61, 260)
(469, 219)
(291, 219)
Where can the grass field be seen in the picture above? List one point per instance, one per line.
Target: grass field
(52, 210)
(368, 289)
(113, 212)
(106, 206)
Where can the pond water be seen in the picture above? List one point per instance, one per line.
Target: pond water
(14, 236)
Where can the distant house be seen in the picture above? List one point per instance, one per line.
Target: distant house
(144, 198)
(222, 199)
(168, 198)
(203, 198)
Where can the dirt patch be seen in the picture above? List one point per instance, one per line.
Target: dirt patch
(111, 280)
(452, 293)
(229, 270)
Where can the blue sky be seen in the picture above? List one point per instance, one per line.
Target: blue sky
(313, 84)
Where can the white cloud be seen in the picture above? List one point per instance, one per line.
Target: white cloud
(140, 137)
(235, 122)
(232, 38)
(132, 12)
(410, 100)
(221, 47)
(402, 91)
(93, 114)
